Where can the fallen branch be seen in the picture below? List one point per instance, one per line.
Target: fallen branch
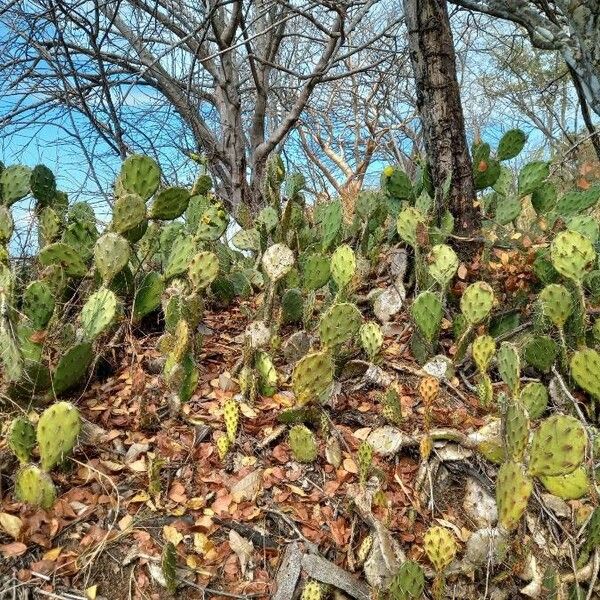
(289, 572)
(325, 571)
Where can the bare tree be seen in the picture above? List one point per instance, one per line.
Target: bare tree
(228, 78)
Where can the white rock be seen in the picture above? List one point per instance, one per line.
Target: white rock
(387, 304)
(439, 366)
(486, 545)
(386, 440)
(259, 334)
(479, 504)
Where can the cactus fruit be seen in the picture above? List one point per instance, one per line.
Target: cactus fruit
(267, 374)
(343, 265)
(339, 324)
(38, 304)
(407, 224)
(443, 264)
(513, 488)
(571, 486)
(57, 432)
(169, 204)
(231, 416)
(14, 184)
(6, 224)
(277, 261)
(328, 216)
(312, 377)
(371, 339)
(315, 271)
(139, 175)
(129, 211)
(303, 444)
(99, 313)
(212, 224)
(312, 590)
(440, 546)
(364, 459)
(71, 367)
(111, 255)
(558, 446)
(21, 438)
(148, 295)
(427, 312)
(476, 302)
(483, 350)
(203, 269)
(64, 255)
(532, 176)
(516, 430)
(509, 366)
(572, 253)
(408, 583)
(34, 487)
(585, 370)
(223, 446)
(540, 352)
(511, 144)
(534, 397)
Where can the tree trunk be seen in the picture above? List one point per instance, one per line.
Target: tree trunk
(438, 101)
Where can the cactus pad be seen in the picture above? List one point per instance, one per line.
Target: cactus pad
(57, 432)
(571, 486)
(247, 239)
(6, 224)
(231, 416)
(312, 377)
(483, 350)
(21, 438)
(408, 583)
(180, 257)
(140, 175)
(303, 444)
(277, 261)
(148, 295)
(407, 224)
(516, 430)
(540, 352)
(534, 397)
(509, 366)
(72, 367)
(99, 313)
(111, 255)
(203, 269)
(339, 324)
(267, 374)
(315, 271)
(572, 253)
(364, 459)
(558, 446)
(129, 211)
(476, 302)
(343, 265)
(170, 204)
(440, 546)
(427, 312)
(328, 216)
(557, 303)
(585, 370)
(312, 590)
(513, 488)
(38, 304)
(371, 339)
(443, 264)
(34, 487)
(532, 177)
(511, 144)
(14, 184)
(212, 224)
(64, 255)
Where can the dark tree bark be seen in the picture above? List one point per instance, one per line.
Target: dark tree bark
(438, 101)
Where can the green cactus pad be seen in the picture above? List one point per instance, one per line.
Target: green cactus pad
(277, 261)
(129, 211)
(148, 295)
(57, 433)
(180, 257)
(509, 366)
(292, 306)
(64, 255)
(558, 446)
(343, 265)
(532, 176)
(483, 350)
(303, 444)
(544, 198)
(140, 175)
(485, 391)
(212, 224)
(6, 224)
(572, 254)
(585, 370)
(364, 459)
(407, 223)
(34, 487)
(312, 377)
(371, 339)
(43, 185)
(247, 239)
(534, 397)
(339, 324)
(408, 583)
(397, 183)
(202, 185)
(486, 173)
(328, 216)
(443, 264)
(14, 184)
(513, 488)
(111, 255)
(72, 367)
(315, 271)
(577, 201)
(516, 430)
(571, 486)
(38, 304)
(476, 302)
(267, 374)
(203, 269)
(170, 204)
(440, 546)
(49, 226)
(540, 352)
(586, 225)
(507, 210)
(427, 312)
(21, 438)
(511, 144)
(99, 313)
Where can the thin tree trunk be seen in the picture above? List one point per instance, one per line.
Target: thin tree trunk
(438, 100)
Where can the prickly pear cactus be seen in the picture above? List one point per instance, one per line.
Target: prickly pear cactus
(541, 352)
(483, 350)
(534, 397)
(572, 254)
(21, 438)
(231, 416)
(312, 590)
(585, 370)
(223, 446)
(129, 211)
(364, 460)
(513, 488)
(315, 271)
(429, 389)
(443, 264)
(57, 432)
(292, 306)
(38, 304)
(532, 176)
(340, 324)
(516, 430)
(312, 376)
(408, 583)
(440, 546)
(64, 255)
(14, 184)
(111, 255)
(427, 312)
(277, 261)
(212, 223)
(34, 487)
(6, 224)
(72, 367)
(99, 313)
(343, 265)
(203, 269)
(303, 444)
(557, 303)
(329, 217)
(267, 374)
(180, 257)
(148, 295)
(509, 366)
(170, 203)
(558, 446)
(571, 486)
(476, 302)
(371, 339)
(139, 175)
(407, 224)
(511, 144)
(391, 407)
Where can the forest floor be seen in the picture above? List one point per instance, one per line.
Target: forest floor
(145, 478)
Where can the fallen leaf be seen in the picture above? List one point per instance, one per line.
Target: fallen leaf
(13, 549)
(248, 487)
(91, 592)
(171, 534)
(52, 554)
(11, 524)
(243, 549)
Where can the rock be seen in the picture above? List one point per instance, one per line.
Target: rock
(387, 440)
(259, 334)
(439, 366)
(479, 504)
(487, 545)
(296, 346)
(387, 304)
(333, 452)
(398, 262)
(488, 440)
(557, 505)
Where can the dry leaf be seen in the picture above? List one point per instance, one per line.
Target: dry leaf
(11, 524)
(171, 534)
(243, 549)
(248, 487)
(52, 554)
(91, 592)
(13, 549)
